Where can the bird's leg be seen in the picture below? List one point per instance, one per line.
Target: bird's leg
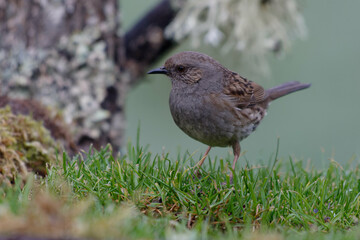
(198, 165)
(236, 150)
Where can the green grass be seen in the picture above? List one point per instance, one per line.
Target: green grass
(140, 196)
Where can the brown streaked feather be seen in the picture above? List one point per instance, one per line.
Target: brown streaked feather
(242, 92)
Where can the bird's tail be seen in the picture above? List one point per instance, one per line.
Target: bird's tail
(285, 89)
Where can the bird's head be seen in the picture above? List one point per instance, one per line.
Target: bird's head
(188, 68)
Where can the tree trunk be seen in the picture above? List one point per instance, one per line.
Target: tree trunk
(69, 55)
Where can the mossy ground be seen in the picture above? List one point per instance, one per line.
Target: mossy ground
(25, 146)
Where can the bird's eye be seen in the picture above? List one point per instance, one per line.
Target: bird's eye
(180, 68)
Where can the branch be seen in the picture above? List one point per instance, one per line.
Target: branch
(145, 41)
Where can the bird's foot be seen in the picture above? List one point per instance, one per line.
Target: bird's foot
(231, 181)
(197, 175)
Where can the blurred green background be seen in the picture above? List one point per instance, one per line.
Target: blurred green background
(318, 124)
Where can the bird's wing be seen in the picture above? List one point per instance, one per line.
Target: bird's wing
(242, 92)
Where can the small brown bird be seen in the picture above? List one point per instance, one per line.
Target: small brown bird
(214, 105)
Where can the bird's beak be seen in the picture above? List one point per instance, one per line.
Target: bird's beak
(160, 70)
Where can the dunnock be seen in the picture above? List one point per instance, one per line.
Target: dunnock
(214, 105)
